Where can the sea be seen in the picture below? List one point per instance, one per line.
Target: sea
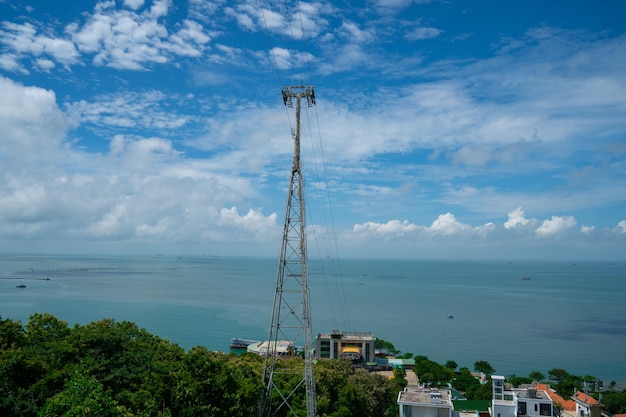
(520, 316)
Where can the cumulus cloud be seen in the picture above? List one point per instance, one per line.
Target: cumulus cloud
(392, 227)
(516, 217)
(445, 225)
(141, 189)
(556, 225)
(32, 124)
(448, 225)
(621, 226)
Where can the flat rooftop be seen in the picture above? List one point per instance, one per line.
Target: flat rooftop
(348, 335)
(524, 393)
(425, 396)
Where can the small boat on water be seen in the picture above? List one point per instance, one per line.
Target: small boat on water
(20, 286)
(525, 278)
(450, 316)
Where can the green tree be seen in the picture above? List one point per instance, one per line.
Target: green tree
(432, 373)
(83, 395)
(484, 367)
(464, 381)
(451, 365)
(565, 383)
(536, 376)
(516, 381)
(12, 335)
(385, 346)
(480, 391)
(614, 402)
(557, 374)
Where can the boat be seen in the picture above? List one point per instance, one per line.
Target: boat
(20, 286)
(237, 343)
(450, 316)
(525, 278)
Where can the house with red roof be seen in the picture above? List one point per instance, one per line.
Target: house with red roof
(586, 405)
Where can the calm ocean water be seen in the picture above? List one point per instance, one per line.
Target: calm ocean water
(519, 316)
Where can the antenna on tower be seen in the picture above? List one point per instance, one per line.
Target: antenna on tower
(290, 323)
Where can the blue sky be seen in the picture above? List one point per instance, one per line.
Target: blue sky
(443, 129)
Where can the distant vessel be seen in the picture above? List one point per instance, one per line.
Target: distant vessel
(20, 286)
(525, 278)
(237, 343)
(450, 316)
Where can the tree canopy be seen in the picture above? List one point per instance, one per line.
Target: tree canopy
(110, 369)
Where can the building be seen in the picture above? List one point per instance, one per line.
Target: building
(517, 402)
(356, 346)
(586, 405)
(421, 402)
(280, 348)
(567, 407)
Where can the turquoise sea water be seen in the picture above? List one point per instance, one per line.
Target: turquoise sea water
(519, 316)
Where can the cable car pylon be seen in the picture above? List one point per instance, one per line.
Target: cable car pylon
(288, 365)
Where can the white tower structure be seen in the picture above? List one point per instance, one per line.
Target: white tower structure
(291, 314)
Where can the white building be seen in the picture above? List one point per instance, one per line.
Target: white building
(419, 402)
(519, 402)
(279, 348)
(356, 346)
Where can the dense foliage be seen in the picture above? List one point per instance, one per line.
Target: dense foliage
(110, 368)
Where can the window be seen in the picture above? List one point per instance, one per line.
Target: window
(521, 408)
(325, 349)
(545, 409)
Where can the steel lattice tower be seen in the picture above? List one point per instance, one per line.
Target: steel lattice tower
(291, 315)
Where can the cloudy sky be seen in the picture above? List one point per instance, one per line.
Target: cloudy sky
(443, 129)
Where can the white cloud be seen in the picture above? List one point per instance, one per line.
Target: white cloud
(282, 57)
(448, 225)
(445, 225)
(296, 23)
(587, 229)
(353, 33)
(516, 217)
(253, 220)
(133, 110)
(10, 62)
(23, 40)
(621, 227)
(32, 125)
(394, 6)
(133, 4)
(142, 190)
(422, 32)
(556, 225)
(392, 227)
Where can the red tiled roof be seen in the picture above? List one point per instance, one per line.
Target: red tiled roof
(587, 399)
(569, 405)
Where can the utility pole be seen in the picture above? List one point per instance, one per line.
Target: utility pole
(291, 314)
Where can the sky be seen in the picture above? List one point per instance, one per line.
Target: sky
(442, 129)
